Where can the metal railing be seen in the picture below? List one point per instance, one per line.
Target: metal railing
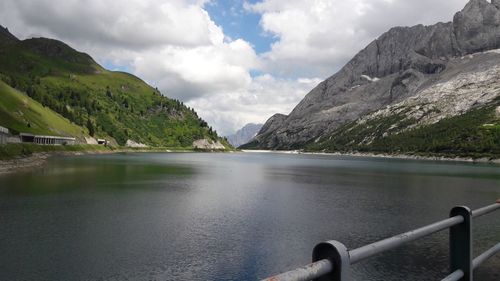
(332, 260)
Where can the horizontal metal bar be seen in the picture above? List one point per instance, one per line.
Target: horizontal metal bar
(485, 210)
(457, 274)
(485, 256)
(454, 276)
(367, 251)
(308, 272)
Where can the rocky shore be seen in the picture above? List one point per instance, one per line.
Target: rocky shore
(23, 163)
(37, 160)
(412, 157)
(388, 156)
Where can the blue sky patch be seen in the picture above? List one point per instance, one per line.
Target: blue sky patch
(236, 23)
(110, 65)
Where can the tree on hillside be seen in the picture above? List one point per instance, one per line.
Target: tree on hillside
(91, 128)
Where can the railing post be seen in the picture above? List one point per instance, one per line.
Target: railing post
(338, 255)
(461, 243)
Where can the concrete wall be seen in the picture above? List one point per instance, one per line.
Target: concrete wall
(6, 138)
(13, 139)
(4, 134)
(3, 138)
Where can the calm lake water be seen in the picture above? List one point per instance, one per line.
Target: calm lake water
(241, 216)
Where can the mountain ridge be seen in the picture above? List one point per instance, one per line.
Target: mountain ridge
(396, 66)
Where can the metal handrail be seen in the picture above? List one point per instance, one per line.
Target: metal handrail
(457, 274)
(370, 250)
(309, 272)
(486, 255)
(332, 259)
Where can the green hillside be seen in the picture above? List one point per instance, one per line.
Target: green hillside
(108, 104)
(23, 114)
(473, 134)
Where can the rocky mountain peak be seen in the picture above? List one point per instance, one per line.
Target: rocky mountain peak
(477, 27)
(5, 35)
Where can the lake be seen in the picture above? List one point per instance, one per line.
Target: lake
(233, 216)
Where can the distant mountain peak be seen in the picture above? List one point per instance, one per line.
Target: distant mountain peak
(244, 135)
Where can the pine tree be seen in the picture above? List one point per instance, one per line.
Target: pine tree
(90, 126)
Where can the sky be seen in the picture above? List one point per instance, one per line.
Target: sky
(234, 62)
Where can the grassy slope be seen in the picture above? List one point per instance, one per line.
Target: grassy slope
(18, 110)
(14, 150)
(116, 105)
(473, 134)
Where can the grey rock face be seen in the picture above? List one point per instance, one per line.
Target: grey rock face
(477, 26)
(244, 135)
(267, 132)
(467, 83)
(398, 65)
(207, 144)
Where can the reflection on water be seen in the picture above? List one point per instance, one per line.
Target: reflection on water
(232, 216)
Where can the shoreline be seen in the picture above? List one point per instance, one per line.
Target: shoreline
(20, 164)
(411, 157)
(38, 160)
(483, 160)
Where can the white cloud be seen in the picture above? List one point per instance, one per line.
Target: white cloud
(264, 96)
(187, 73)
(134, 24)
(317, 37)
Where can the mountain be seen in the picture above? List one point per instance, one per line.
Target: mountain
(408, 78)
(459, 115)
(244, 135)
(113, 105)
